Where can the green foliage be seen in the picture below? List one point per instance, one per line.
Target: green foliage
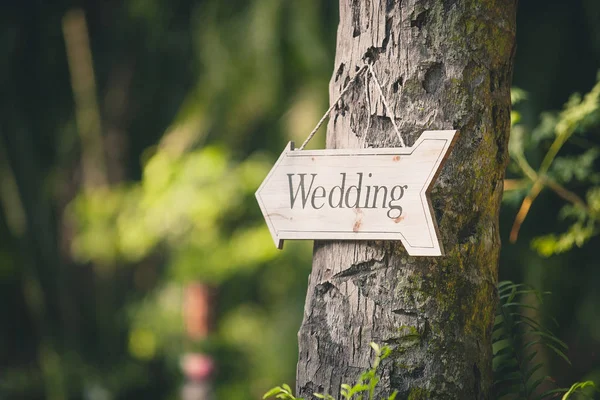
(207, 127)
(565, 175)
(198, 210)
(365, 386)
(579, 387)
(576, 235)
(282, 392)
(186, 202)
(517, 340)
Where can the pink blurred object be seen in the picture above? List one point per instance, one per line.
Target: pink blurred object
(197, 366)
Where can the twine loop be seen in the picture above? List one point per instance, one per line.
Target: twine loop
(367, 67)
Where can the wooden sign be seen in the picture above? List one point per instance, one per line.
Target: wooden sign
(357, 194)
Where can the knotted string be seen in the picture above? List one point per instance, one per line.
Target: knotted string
(367, 67)
(387, 108)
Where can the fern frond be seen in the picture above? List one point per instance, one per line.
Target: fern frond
(515, 337)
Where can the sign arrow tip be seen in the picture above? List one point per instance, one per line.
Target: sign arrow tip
(272, 230)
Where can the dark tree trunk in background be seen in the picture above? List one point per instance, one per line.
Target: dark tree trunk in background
(443, 64)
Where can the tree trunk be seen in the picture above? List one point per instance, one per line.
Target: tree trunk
(443, 64)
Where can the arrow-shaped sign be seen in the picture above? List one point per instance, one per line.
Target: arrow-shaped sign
(357, 194)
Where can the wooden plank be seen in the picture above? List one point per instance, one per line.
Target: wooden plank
(357, 194)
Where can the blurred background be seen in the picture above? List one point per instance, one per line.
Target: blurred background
(134, 261)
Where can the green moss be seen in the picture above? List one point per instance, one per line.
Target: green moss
(470, 27)
(412, 88)
(407, 331)
(450, 291)
(419, 394)
(491, 37)
(408, 336)
(408, 367)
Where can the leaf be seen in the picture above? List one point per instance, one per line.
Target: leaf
(545, 130)
(369, 374)
(510, 377)
(508, 365)
(499, 336)
(532, 343)
(517, 95)
(529, 321)
(504, 351)
(522, 305)
(322, 396)
(530, 357)
(551, 337)
(549, 392)
(385, 352)
(272, 392)
(519, 292)
(577, 235)
(567, 169)
(287, 388)
(559, 353)
(578, 386)
(509, 390)
(510, 286)
(375, 347)
(502, 284)
(532, 371)
(498, 321)
(531, 388)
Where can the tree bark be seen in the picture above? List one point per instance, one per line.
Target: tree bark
(443, 64)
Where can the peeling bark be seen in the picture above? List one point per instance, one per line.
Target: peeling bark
(443, 64)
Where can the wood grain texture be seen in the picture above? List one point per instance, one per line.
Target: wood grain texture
(443, 64)
(357, 194)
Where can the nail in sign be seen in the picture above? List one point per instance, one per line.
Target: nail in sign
(357, 194)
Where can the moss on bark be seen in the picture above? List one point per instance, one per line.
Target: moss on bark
(443, 64)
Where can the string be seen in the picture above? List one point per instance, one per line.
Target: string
(343, 92)
(387, 108)
(368, 98)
